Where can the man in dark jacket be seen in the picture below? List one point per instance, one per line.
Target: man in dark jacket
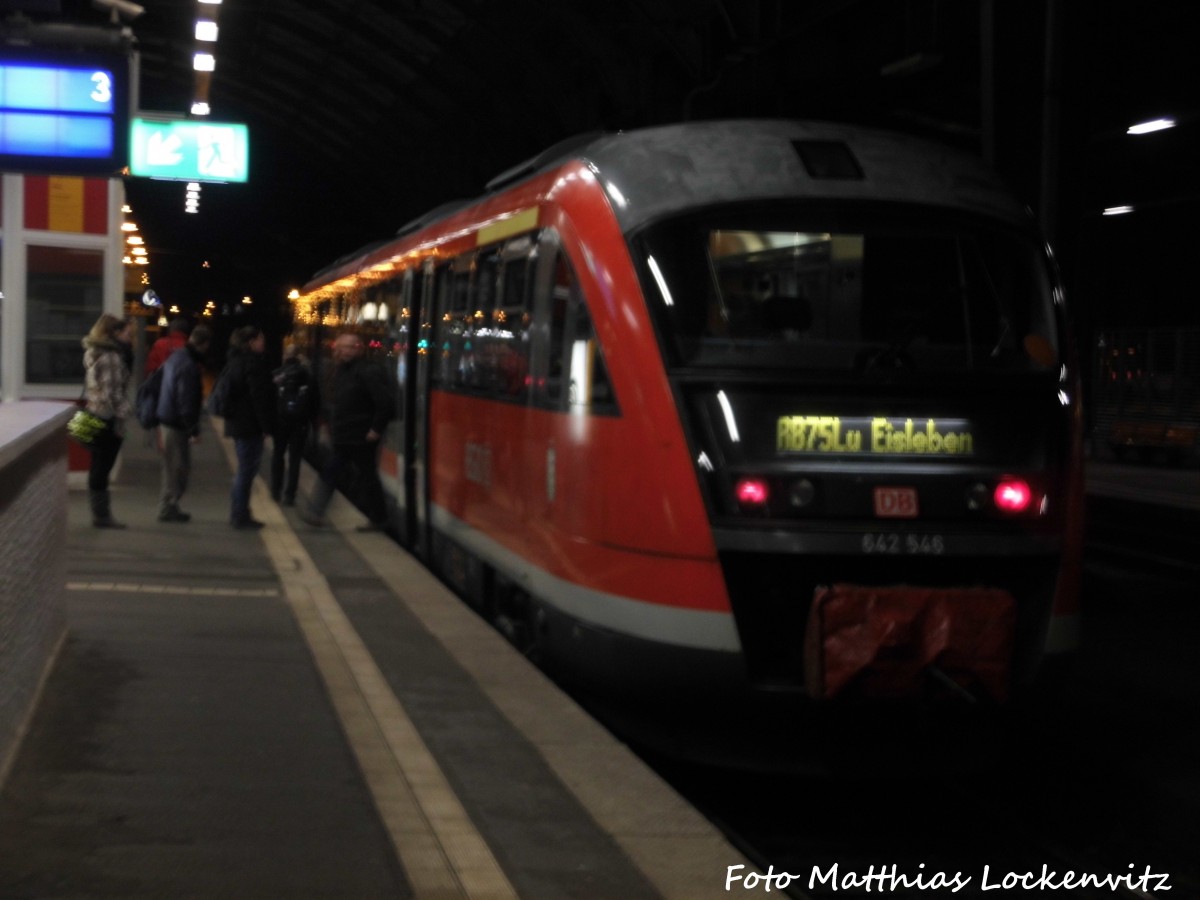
(249, 417)
(296, 408)
(361, 401)
(179, 404)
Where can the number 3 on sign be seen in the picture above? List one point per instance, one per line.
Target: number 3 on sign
(103, 91)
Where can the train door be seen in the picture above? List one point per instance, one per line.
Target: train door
(408, 320)
(416, 474)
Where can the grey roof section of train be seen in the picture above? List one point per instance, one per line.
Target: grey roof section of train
(660, 171)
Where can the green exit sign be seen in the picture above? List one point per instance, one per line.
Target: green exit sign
(188, 150)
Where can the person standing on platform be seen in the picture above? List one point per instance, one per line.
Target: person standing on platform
(180, 401)
(107, 362)
(361, 400)
(250, 416)
(295, 408)
(161, 350)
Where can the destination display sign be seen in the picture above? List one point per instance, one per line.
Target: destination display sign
(63, 117)
(874, 436)
(188, 150)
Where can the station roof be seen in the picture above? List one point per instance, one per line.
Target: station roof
(365, 113)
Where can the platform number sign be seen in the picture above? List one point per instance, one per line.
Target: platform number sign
(63, 114)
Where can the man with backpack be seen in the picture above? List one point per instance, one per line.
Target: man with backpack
(175, 339)
(180, 399)
(296, 407)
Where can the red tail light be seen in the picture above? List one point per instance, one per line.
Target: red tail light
(1012, 495)
(751, 492)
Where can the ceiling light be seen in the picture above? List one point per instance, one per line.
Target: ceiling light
(1152, 125)
(129, 226)
(200, 108)
(212, 2)
(135, 239)
(1118, 210)
(206, 30)
(204, 62)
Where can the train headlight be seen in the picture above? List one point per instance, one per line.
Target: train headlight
(752, 493)
(1012, 495)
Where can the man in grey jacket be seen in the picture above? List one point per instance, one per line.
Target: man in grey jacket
(180, 401)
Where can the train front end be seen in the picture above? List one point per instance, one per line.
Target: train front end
(868, 352)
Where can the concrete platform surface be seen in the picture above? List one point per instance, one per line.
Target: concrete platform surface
(303, 713)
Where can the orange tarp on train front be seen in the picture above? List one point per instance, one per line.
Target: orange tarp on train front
(882, 641)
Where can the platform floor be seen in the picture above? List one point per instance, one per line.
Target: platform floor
(304, 713)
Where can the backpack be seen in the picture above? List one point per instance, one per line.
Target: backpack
(292, 394)
(146, 403)
(218, 400)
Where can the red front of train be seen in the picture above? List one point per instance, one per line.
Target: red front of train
(732, 409)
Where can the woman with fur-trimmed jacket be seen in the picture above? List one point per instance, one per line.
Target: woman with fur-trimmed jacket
(106, 362)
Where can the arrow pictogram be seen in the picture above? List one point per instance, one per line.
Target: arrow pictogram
(163, 150)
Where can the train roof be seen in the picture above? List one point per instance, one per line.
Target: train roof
(653, 173)
(656, 172)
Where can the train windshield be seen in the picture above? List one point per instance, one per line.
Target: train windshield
(897, 290)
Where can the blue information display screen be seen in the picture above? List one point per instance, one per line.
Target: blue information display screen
(63, 117)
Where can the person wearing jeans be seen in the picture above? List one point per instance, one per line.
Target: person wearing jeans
(179, 405)
(250, 416)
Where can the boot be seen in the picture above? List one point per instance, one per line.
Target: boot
(101, 513)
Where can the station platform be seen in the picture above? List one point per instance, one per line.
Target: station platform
(308, 713)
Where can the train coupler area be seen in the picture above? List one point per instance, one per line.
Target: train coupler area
(897, 642)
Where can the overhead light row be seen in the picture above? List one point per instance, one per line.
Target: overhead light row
(204, 61)
(135, 251)
(191, 203)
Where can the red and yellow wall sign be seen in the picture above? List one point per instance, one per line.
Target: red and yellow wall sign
(66, 203)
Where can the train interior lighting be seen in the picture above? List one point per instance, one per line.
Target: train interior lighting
(204, 62)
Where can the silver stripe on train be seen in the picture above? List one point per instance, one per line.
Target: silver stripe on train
(695, 629)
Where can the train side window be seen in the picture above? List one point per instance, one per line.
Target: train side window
(452, 321)
(403, 332)
(576, 377)
(474, 367)
(508, 340)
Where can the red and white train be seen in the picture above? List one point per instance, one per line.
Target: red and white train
(729, 409)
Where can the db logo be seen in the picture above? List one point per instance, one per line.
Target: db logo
(896, 503)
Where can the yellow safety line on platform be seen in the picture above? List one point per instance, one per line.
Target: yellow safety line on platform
(441, 851)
